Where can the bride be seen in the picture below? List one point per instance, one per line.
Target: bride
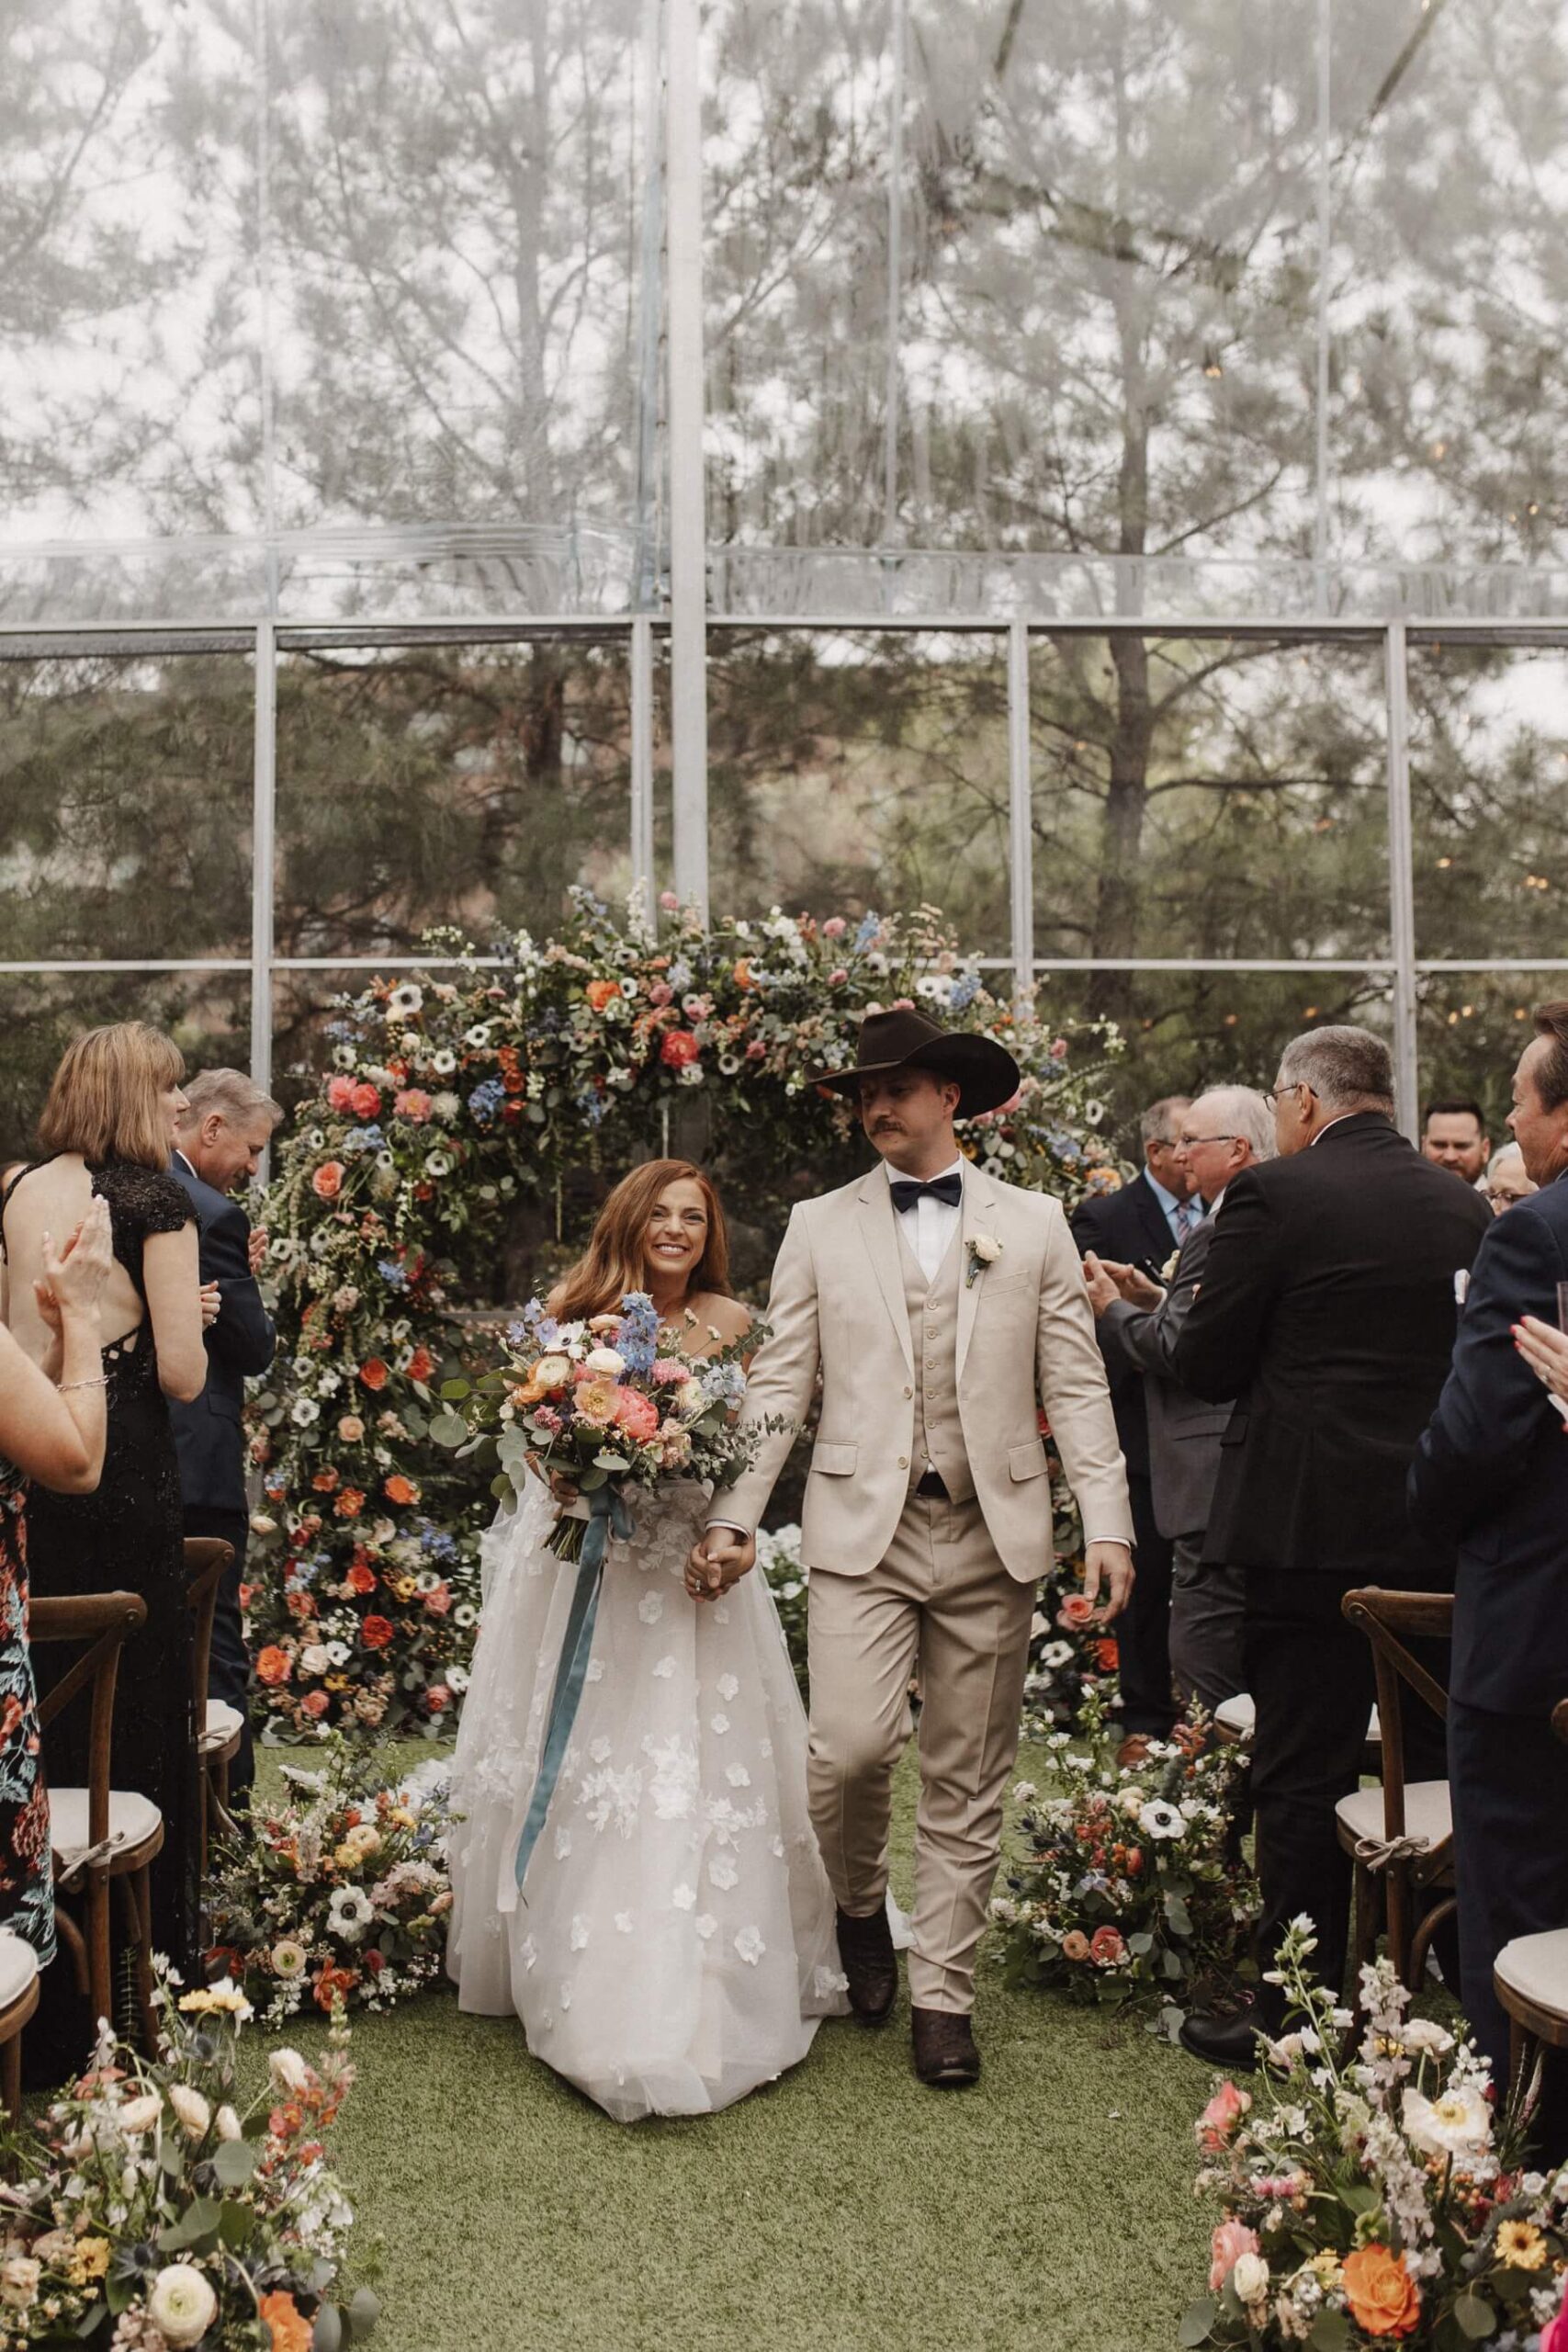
(672, 1945)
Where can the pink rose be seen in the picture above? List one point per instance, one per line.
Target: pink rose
(366, 1102)
(836, 979)
(437, 1697)
(678, 1049)
(1058, 1049)
(413, 1103)
(1074, 1612)
(638, 1415)
(755, 1050)
(661, 993)
(315, 1702)
(835, 927)
(1220, 2116)
(439, 1601)
(670, 901)
(1229, 2243)
(340, 1092)
(1106, 1948)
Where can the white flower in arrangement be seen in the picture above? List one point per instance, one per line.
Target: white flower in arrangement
(192, 2109)
(405, 1000)
(443, 1061)
(289, 1958)
(329, 1382)
(181, 2305)
(1249, 2277)
(306, 1410)
(338, 1653)
(605, 1360)
(1425, 2038)
(228, 2124)
(1458, 2124)
(437, 1163)
(315, 1659)
(457, 1678)
(349, 1913)
(1160, 1819)
(343, 1056)
(1057, 1655)
(138, 2115)
(477, 1036)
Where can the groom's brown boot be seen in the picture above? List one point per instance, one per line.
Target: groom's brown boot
(945, 2054)
(866, 1947)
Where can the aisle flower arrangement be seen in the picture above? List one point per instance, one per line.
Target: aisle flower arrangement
(455, 1100)
(338, 1890)
(1374, 2201)
(151, 2210)
(778, 1559)
(1128, 1883)
(1073, 1662)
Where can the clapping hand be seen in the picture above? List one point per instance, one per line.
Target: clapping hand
(258, 1242)
(1108, 1279)
(73, 1278)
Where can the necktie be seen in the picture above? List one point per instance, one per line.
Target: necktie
(906, 1191)
(1189, 1215)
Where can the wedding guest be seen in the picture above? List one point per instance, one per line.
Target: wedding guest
(52, 1431)
(1326, 1312)
(225, 1127)
(1143, 1224)
(1507, 1183)
(1224, 1131)
(107, 1132)
(1454, 1135)
(1492, 1472)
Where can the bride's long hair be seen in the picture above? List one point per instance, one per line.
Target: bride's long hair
(615, 1259)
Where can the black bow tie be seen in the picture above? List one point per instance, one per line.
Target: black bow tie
(906, 1191)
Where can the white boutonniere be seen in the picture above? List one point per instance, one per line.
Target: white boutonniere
(1167, 1271)
(984, 1251)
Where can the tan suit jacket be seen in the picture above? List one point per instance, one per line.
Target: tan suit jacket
(1025, 1332)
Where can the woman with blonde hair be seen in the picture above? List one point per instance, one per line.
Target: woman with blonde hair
(672, 1946)
(107, 1135)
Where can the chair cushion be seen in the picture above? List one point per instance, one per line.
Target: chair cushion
(1537, 1966)
(132, 1820)
(1240, 1715)
(1427, 1812)
(224, 1723)
(19, 1967)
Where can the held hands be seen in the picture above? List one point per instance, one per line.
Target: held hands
(1111, 1566)
(74, 1278)
(721, 1559)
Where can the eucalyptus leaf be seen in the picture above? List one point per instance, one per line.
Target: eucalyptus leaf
(1179, 1918)
(1196, 2322)
(452, 1391)
(363, 2310)
(1476, 2316)
(449, 1429)
(234, 2162)
(328, 2336)
(1330, 2333)
(198, 2222)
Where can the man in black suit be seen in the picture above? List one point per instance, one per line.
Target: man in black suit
(1492, 1472)
(1328, 1312)
(1143, 1224)
(226, 1127)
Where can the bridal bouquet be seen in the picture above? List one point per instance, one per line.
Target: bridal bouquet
(339, 1891)
(1129, 1885)
(609, 1403)
(150, 2206)
(1377, 2200)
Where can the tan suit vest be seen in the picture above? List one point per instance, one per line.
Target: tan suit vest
(933, 1335)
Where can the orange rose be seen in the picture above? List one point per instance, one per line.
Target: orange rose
(398, 1489)
(291, 2331)
(602, 992)
(1383, 2299)
(422, 1364)
(361, 1577)
(272, 1664)
(327, 1182)
(374, 1633)
(743, 974)
(349, 1504)
(374, 1373)
(324, 1481)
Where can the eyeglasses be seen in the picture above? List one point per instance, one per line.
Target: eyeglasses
(1190, 1142)
(1296, 1085)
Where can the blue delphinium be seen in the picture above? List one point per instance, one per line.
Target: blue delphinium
(965, 989)
(485, 1102)
(360, 1139)
(870, 926)
(391, 1274)
(636, 1339)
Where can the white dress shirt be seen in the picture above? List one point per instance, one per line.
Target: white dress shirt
(932, 1226)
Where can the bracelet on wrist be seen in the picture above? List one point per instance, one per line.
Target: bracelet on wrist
(97, 1380)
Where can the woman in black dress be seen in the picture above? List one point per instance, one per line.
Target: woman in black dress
(108, 1130)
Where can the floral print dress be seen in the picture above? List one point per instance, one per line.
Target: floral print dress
(26, 1876)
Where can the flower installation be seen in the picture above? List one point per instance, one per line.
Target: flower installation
(778, 1560)
(458, 1102)
(1128, 1883)
(339, 1891)
(151, 2209)
(1073, 1662)
(1375, 2199)
(609, 1403)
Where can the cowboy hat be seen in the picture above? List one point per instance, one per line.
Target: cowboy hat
(985, 1072)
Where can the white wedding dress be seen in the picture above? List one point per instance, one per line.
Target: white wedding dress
(674, 1946)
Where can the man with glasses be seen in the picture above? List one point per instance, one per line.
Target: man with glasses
(1224, 1131)
(1326, 1312)
(1142, 1225)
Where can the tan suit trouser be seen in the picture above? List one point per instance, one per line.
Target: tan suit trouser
(943, 1601)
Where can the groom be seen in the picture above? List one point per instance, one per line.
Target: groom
(941, 1309)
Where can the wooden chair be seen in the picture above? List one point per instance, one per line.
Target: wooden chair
(1235, 1720)
(1400, 1835)
(1529, 1977)
(218, 1728)
(102, 1836)
(18, 1999)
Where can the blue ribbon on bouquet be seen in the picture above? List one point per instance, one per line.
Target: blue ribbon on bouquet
(607, 1516)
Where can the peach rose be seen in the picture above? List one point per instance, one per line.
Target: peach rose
(1229, 2243)
(366, 1102)
(350, 1429)
(272, 1666)
(1222, 2115)
(1075, 1945)
(1380, 2295)
(327, 1182)
(412, 1103)
(315, 1702)
(638, 1415)
(291, 2331)
(1076, 1610)
(398, 1489)
(439, 1601)
(602, 992)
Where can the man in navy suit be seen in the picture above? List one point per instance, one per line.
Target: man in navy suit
(1492, 1473)
(227, 1126)
(1143, 1224)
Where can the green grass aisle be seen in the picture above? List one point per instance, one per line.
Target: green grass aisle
(845, 2209)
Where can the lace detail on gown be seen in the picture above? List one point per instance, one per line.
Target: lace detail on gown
(673, 1945)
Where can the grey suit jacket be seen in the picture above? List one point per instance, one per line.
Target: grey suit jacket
(1185, 1431)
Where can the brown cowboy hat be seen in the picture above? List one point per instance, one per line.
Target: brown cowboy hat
(985, 1072)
